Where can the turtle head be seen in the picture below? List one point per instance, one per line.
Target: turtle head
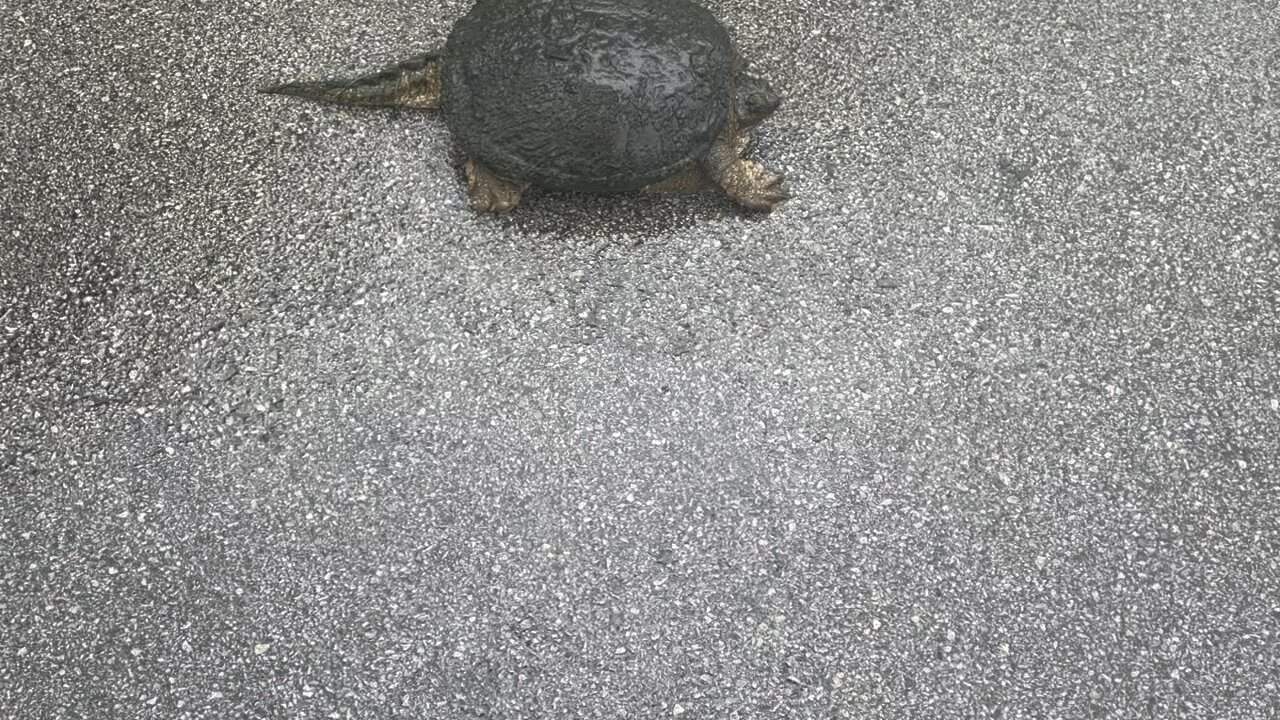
(756, 100)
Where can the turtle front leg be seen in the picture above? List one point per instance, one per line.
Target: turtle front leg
(746, 182)
(692, 179)
(490, 192)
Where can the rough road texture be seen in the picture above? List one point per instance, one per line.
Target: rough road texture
(983, 424)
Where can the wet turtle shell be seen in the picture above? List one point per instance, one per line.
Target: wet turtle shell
(587, 95)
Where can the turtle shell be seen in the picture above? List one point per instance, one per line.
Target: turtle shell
(587, 95)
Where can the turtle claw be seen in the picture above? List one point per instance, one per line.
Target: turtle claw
(488, 200)
(756, 188)
(489, 192)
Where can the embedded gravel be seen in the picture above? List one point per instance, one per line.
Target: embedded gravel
(985, 423)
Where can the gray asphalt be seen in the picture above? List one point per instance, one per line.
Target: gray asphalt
(983, 424)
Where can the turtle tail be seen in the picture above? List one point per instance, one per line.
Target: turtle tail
(411, 83)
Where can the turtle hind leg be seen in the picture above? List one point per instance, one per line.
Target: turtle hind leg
(411, 83)
(746, 182)
(490, 192)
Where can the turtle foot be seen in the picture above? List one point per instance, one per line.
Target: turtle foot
(489, 192)
(753, 186)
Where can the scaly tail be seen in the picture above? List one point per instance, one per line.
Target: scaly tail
(412, 83)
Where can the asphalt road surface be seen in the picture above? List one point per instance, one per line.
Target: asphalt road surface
(985, 423)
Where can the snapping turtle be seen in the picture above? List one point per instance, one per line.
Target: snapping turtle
(584, 95)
